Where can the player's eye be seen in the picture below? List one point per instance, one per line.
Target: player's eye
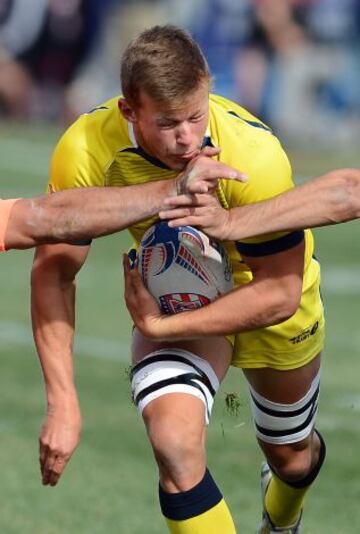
(166, 124)
(196, 118)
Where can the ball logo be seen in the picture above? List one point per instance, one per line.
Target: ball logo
(170, 248)
(179, 302)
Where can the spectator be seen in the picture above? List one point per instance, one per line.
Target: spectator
(98, 77)
(47, 58)
(20, 25)
(301, 59)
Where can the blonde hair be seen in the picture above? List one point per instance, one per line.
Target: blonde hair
(166, 63)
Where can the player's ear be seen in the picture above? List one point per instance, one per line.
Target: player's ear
(126, 110)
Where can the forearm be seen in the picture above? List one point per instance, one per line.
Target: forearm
(53, 326)
(100, 211)
(250, 307)
(83, 213)
(330, 199)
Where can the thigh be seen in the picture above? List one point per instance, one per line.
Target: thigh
(216, 350)
(283, 386)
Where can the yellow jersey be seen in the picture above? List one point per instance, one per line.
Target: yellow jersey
(100, 149)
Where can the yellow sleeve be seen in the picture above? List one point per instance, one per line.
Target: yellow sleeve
(75, 162)
(270, 174)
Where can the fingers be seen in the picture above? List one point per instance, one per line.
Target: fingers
(134, 286)
(126, 264)
(184, 221)
(189, 200)
(176, 213)
(58, 440)
(52, 465)
(190, 210)
(130, 272)
(210, 151)
(201, 186)
(207, 180)
(128, 284)
(218, 170)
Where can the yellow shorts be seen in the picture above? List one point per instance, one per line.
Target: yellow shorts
(290, 344)
(5, 209)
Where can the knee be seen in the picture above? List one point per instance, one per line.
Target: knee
(291, 462)
(174, 442)
(179, 451)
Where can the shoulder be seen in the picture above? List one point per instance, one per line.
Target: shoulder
(95, 127)
(87, 147)
(250, 146)
(223, 109)
(243, 138)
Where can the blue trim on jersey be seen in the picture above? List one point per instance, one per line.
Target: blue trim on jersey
(81, 242)
(255, 124)
(207, 142)
(99, 108)
(141, 152)
(187, 504)
(256, 250)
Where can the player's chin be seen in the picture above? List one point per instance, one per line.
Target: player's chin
(176, 164)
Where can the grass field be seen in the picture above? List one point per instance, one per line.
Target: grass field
(111, 484)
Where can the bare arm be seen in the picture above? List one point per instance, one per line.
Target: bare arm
(85, 213)
(52, 303)
(270, 298)
(82, 213)
(330, 199)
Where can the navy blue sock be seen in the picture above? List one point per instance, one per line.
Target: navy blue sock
(187, 504)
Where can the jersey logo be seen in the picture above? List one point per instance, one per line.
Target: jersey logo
(305, 334)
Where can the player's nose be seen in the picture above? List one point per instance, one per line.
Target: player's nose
(184, 135)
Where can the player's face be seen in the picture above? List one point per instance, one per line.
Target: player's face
(174, 136)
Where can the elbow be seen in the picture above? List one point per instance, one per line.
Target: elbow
(49, 271)
(285, 305)
(282, 313)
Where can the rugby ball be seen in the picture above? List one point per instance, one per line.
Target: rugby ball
(182, 267)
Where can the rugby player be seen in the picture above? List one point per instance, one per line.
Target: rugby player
(156, 133)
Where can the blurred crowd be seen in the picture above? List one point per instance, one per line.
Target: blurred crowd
(294, 63)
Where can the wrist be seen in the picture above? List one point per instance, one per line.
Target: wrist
(170, 327)
(69, 414)
(179, 185)
(64, 400)
(228, 227)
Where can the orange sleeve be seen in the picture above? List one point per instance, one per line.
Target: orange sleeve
(5, 209)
